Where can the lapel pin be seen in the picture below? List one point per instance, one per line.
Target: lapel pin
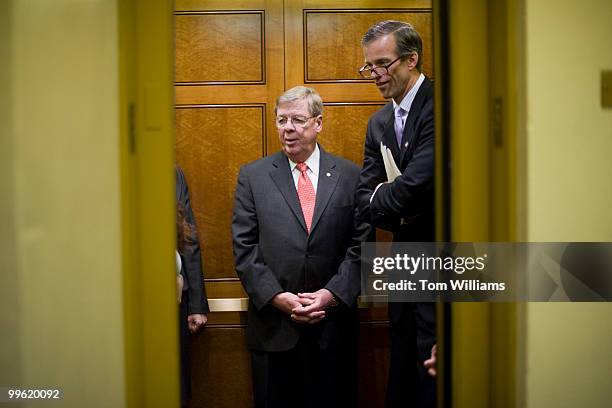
(328, 174)
(406, 144)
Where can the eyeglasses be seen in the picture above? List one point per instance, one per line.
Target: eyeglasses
(298, 121)
(368, 71)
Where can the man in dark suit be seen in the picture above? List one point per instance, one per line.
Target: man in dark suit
(297, 252)
(405, 205)
(194, 303)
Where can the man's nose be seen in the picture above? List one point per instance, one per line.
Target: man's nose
(289, 122)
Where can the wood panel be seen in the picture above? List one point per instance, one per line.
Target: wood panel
(226, 318)
(220, 368)
(224, 94)
(211, 144)
(245, 43)
(221, 94)
(323, 43)
(373, 364)
(208, 52)
(332, 41)
(344, 128)
(224, 5)
(225, 288)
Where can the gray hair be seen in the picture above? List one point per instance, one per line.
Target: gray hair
(315, 103)
(407, 39)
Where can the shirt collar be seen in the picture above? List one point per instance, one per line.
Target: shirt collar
(406, 103)
(312, 162)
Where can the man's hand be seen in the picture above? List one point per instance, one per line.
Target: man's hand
(195, 321)
(313, 306)
(318, 300)
(286, 302)
(431, 364)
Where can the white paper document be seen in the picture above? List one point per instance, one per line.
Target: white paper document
(390, 166)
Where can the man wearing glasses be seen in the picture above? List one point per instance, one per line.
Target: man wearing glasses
(296, 242)
(405, 204)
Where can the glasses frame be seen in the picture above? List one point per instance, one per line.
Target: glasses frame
(290, 120)
(372, 69)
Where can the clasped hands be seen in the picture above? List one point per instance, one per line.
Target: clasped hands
(304, 307)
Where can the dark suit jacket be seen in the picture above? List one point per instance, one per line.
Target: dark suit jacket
(192, 263)
(274, 253)
(406, 206)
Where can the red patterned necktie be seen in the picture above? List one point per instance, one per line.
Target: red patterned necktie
(306, 194)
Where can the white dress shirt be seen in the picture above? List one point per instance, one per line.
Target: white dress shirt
(406, 103)
(313, 169)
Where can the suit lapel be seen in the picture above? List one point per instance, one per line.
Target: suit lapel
(389, 138)
(281, 176)
(408, 136)
(328, 179)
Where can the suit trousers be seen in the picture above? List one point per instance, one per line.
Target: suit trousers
(306, 376)
(409, 385)
(184, 350)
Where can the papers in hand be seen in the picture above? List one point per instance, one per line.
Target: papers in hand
(390, 166)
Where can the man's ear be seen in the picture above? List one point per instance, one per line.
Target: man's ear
(412, 60)
(319, 123)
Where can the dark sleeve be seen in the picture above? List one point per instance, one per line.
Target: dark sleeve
(409, 193)
(346, 283)
(258, 280)
(192, 261)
